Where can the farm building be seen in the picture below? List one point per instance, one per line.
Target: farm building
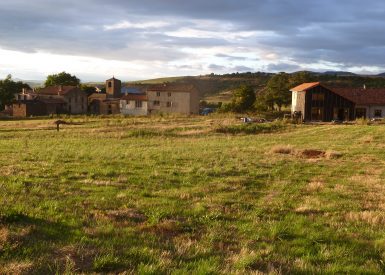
(316, 102)
(134, 104)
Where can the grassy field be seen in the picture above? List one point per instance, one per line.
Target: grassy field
(177, 195)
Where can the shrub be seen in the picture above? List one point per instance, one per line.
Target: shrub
(252, 128)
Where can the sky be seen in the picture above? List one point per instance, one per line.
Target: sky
(133, 40)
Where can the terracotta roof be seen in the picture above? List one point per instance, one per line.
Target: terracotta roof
(52, 100)
(305, 86)
(57, 90)
(172, 88)
(360, 96)
(142, 97)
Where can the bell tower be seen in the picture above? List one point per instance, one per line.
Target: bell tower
(113, 88)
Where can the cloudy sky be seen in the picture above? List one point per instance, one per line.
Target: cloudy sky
(140, 39)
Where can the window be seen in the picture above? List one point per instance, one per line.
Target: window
(156, 103)
(378, 113)
(169, 103)
(169, 94)
(318, 97)
(109, 84)
(138, 104)
(360, 113)
(157, 93)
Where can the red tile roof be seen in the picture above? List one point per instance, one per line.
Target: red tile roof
(361, 96)
(305, 86)
(57, 90)
(142, 97)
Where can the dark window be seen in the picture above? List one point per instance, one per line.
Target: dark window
(318, 97)
(169, 104)
(169, 94)
(157, 93)
(156, 103)
(360, 113)
(138, 104)
(378, 113)
(109, 84)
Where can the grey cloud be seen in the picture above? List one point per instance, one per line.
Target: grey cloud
(345, 32)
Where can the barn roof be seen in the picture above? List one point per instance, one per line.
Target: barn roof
(57, 90)
(305, 86)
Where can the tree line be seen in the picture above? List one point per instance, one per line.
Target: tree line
(10, 87)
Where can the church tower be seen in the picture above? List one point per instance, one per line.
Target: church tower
(113, 88)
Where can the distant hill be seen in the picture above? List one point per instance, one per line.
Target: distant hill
(339, 73)
(381, 75)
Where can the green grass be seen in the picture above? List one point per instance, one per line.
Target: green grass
(172, 195)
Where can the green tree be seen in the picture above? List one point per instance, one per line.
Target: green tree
(277, 92)
(8, 89)
(62, 78)
(88, 89)
(301, 77)
(243, 98)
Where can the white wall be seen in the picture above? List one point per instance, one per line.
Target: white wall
(129, 108)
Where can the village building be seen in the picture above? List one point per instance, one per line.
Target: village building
(316, 102)
(50, 100)
(106, 103)
(173, 98)
(134, 104)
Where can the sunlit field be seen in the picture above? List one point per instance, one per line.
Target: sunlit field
(203, 195)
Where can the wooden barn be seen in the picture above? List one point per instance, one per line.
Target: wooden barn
(315, 102)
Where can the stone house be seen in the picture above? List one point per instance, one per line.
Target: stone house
(134, 104)
(173, 98)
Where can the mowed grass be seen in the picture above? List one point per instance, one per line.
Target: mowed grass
(172, 195)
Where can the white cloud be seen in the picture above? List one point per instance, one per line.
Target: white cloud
(136, 25)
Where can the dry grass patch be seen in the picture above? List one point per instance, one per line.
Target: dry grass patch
(282, 149)
(315, 186)
(373, 218)
(329, 154)
(16, 268)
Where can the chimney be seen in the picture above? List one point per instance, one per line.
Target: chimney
(364, 86)
(60, 89)
(24, 91)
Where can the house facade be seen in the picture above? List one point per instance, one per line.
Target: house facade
(316, 102)
(173, 98)
(74, 98)
(134, 104)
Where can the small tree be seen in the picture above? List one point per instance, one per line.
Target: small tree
(62, 78)
(8, 89)
(243, 99)
(278, 91)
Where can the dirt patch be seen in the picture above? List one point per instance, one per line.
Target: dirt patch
(167, 228)
(306, 153)
(312, 153)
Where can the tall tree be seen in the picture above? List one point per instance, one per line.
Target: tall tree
(8, 89)
(278, 91)
(62, 78)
